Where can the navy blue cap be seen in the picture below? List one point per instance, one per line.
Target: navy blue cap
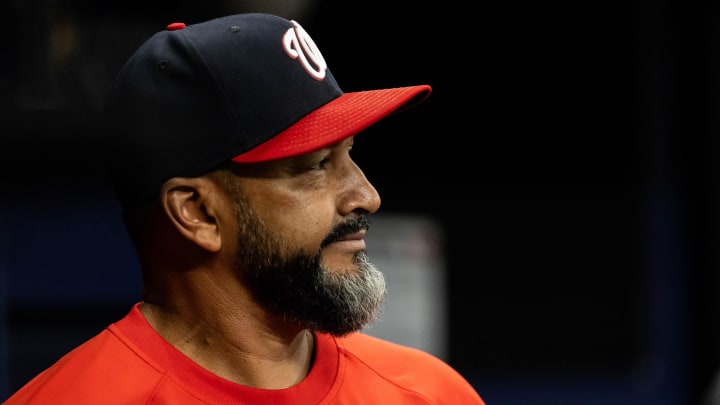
(247, 87)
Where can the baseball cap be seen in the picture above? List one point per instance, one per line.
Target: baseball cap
(245, 88)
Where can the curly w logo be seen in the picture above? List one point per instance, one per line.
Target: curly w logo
(298, 45)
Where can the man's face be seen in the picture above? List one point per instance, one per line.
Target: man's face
(301, 248)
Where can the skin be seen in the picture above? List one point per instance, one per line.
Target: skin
(192, 244)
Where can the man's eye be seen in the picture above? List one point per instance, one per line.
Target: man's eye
(320, 165)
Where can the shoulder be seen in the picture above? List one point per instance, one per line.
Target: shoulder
(103, 367)
(378, 351)
(407, 368)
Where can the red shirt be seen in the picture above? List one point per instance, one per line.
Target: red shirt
(130, 363)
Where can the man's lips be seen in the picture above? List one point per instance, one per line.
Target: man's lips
(354, 241)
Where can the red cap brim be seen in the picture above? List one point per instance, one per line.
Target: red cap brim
(341, 118)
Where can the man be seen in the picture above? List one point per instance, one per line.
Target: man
(230, 153)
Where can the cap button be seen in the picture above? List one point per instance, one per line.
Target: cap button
(175, 26)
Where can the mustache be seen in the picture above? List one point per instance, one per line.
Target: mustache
(359, 223)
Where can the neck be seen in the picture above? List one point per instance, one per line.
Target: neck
(240, 347)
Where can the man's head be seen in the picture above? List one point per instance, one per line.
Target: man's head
(239, 135)
(247, 88)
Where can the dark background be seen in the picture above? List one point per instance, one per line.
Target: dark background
(568, 151)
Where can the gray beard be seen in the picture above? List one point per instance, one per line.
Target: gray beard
(296, 287)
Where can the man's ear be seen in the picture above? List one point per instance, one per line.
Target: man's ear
(191, 206)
